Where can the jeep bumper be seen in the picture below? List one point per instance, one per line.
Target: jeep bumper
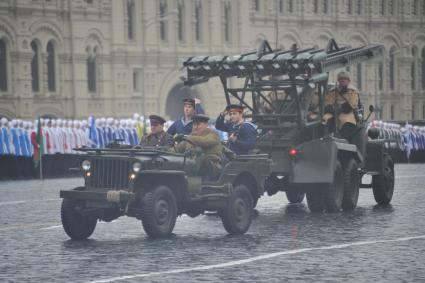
(116, 196)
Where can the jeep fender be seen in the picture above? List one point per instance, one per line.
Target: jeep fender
(316, 160)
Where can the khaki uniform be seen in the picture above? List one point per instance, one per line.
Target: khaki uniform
(159, 139)
(210, 160)
(274, 97)
(336, 99)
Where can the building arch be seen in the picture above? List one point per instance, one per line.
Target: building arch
(50, 29)
(48, 111)
(288, 39)
(358, 37)
(7, 32)
(390, 38)
(7, 114)
(95, 37)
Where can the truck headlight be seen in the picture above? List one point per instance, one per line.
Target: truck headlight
(137, 166)
(86, 165)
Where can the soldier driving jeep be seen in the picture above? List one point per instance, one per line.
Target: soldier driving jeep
(204, 146)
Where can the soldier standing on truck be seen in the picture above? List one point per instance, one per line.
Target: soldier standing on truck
(342, 101)
(184, 125)
(205, 147)
(242, 135)
(157, 137)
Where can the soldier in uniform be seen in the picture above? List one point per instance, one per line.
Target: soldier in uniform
(242, 135)
(157, 137)
(342, 102)
(184, 125)
(205, 146)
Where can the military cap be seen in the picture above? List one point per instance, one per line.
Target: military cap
(157, 118)
(200, 118)
(343, 75)
(190, 101)
(235, 107)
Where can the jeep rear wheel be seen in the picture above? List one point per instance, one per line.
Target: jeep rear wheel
(76, 225)
(383, 184)
(351, 185)
(294, 197)
(159, 212)
(237, 215)
(334, 192)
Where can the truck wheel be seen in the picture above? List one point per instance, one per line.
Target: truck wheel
(294, 197)
(334, 192)
(351, 185)
(315, 199)
(75, 224)
(159, 212)
(237, 215)
(383, 185)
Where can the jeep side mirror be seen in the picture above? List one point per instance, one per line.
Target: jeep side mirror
(371, 108)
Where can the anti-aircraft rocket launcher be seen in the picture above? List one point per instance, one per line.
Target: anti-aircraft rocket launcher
(279, 88)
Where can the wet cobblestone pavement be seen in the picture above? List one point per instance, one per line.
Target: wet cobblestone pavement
(286, 243)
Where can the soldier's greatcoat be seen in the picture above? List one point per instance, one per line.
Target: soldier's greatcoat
(159, 139)
(336, 99)
(211, 157)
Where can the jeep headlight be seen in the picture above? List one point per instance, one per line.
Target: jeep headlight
(86, 165)
(137, 166)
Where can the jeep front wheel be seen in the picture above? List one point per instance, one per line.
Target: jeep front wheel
(75, 224)
(334, 192)
(159, 212)
(237, 215)
(351, 185)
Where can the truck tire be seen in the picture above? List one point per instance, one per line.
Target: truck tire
(76, 225)
(315, 199)
(237, 215)
(383, 185)
(351, 185)
(334, 192)
(294, 196)
(159, 212)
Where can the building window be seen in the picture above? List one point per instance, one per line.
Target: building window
(325, 6)
(392, 68)
(227, 21)
(163, 22)
(137, 80)
(415, 7)
(359, 7)
(291, 6)
(382, 4)
(391, 7)
(51, 70)
(413, 69)
(181, 19)
(359, 76)
(256, 5)
(381, 76)
(281, 5)
(316, 6)
(130, 19)
(35, 72)
(423, 7)
(350, 7)
(91, 72)
(198, 21)
(423, 69)
(392, 112)
(413, 112)
(3, 65)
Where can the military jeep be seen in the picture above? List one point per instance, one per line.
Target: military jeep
(155, 186)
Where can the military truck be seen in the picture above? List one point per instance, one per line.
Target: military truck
(155, 186)
(277, 87)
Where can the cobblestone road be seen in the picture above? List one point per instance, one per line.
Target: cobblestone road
(286, 243)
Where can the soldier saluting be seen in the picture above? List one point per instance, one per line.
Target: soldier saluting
(157, 137)
(343, 102)
(242, 135)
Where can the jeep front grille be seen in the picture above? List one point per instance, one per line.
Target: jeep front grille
(109, 173)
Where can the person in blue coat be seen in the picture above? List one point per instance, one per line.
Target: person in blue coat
(242, 135)
(184, 125)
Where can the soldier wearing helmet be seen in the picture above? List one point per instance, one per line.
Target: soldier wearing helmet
(342, 101)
